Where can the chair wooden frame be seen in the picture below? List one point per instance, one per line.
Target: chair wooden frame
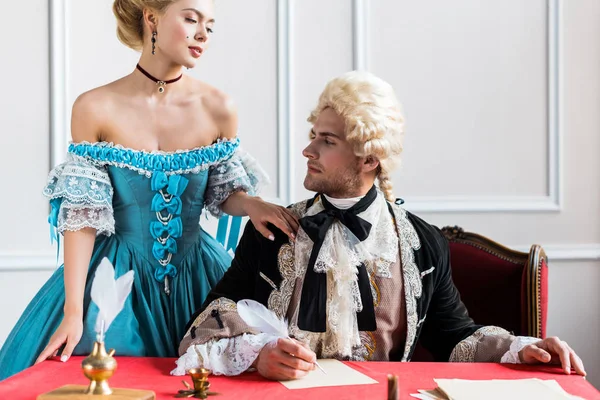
(532, 261)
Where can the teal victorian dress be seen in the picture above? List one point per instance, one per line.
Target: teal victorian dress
(146, 208)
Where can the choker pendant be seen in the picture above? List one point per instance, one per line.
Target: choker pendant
(161, 84)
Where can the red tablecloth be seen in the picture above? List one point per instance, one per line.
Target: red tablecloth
(153, 374)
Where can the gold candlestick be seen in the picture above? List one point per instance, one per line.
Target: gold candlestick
(98, 367)
(201, 384)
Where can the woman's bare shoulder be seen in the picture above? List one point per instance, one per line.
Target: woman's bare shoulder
(220, 106)
(91, 109)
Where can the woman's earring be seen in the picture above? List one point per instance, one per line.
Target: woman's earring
(153, 43)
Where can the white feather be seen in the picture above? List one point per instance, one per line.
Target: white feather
(109, 294)
(259, 317)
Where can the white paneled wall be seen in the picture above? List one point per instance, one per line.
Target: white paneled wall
(501, 100)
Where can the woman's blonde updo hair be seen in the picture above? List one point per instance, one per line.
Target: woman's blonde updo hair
(130, 19)
(373, 117)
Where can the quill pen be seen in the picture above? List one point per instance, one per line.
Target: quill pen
(261, 318)
(109, 295)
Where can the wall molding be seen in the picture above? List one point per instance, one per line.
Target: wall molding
(438, 204)
(553, 201)
(59, 71)
(569, 252)
(25, 261)
(285, 161)
(59, 111)
(360, 34)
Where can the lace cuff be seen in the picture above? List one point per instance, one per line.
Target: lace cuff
(241, 172)
(512, 355)
(485, 345)
(81, 196)
(228, 356)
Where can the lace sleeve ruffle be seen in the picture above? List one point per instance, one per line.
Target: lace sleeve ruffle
(227, 356)
(512, 355)
(80, 197)
(241, 172)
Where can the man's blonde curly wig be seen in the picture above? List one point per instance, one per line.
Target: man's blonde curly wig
(373, 117)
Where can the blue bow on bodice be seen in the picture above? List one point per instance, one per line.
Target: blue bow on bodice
(168, 270)
(160, 250)
(175, 184)
(174, 228)
(172, 206)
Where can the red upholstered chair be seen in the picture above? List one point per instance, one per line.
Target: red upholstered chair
(499, 286)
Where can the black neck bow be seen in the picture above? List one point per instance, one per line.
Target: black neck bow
(313, 302)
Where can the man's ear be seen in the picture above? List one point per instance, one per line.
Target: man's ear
(370, 163)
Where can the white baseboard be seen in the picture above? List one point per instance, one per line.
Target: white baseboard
(22, 261)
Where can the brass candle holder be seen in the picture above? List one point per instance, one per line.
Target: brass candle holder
(98, 367)
(201, 385)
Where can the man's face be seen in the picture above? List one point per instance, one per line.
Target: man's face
(333, 168)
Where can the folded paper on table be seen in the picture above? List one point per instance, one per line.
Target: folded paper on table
(526, 389)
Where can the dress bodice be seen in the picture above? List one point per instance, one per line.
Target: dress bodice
(160, 214)
(151, 201)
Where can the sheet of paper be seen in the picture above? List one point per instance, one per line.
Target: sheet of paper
(433, 394)
(500, 389)
(556, 386)
(338, 374)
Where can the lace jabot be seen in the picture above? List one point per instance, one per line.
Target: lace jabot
(340, 257)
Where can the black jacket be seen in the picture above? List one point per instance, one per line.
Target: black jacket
(435, 314)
